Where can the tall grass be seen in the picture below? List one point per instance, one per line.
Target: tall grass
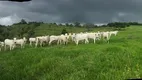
(118, 60)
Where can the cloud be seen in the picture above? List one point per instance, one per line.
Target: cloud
(62, 11)
(9, 20)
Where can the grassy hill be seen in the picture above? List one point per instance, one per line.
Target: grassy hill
(118, 60)
(55, 30)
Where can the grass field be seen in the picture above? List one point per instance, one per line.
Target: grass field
(56, 30)
(120, 59)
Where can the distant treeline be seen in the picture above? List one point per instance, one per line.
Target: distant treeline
(27, 29)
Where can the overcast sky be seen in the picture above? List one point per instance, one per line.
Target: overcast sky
(62, 11)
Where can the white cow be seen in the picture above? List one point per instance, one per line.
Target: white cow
(20, 42)
(32, 40)
(24, 38)
(80, 37)
(92, 36)
(53, 38)
(106, 36)
(63, 39)
(10, 43)
(98, 35)
(73, 37)
(1, 45)
(69, 37)
(113, 32)
(41, 39)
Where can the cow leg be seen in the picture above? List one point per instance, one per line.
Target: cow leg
(66, 42)
(30, 43)
(21, 46)
(94, 40)
(58, 42)
(10, 48)
(36, 44)
(87, 41)
(4, 47)
(108, 41)
(41, 43)
(50, 42)
(77, 42)
(63, 42)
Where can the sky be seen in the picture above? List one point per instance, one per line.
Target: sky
(69, 11)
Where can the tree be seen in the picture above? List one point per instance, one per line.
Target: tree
(77, 24)
(91, 25)
(23, 21)
(64, 31)
(71, 25)
(60, 25)
(67, 24)
(4, 33)
(31, 33)
(35, 23)
(119, 25)
(55, 24)
(88, 26)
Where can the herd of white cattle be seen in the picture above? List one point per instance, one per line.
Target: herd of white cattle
(60, 39)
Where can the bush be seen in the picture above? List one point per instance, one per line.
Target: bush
(64, 31)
